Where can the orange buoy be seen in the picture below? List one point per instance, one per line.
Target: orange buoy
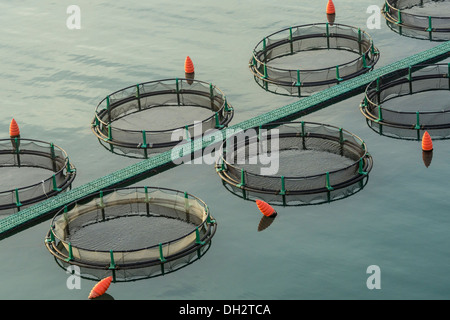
(14, 129)
(266, 209)
(100, 288)
(330, 7)
(427, 144)
(188, 65)
(14, 134)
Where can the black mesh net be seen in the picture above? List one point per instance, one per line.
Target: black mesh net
(277, 62)
(28, 159)
(293, 158)
(426, 19)
(402, 107)
(130, 228)
(159, 114)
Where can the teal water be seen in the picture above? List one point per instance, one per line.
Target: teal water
(52, 79)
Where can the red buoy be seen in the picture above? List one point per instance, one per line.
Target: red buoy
(14, 129)
(427, 143)
(266, 209)
(330, 7)
(188, 65)
(100, 288)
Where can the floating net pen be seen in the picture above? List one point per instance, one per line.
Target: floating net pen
(427, 19)
(19, 154)
(153, 114)
(130, 228)
(141, 273)
(389, 115)
(294, 158)
(305, 199)
(303, 79)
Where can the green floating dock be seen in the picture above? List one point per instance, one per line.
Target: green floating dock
(156, 164)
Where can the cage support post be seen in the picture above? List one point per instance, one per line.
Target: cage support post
(359, 40)
(16, 148)
(410, 79)
(338, 78)
(303, 135)
(102, 205)
(66, 219)
(242, 184)
(138, 97)
(108, 108)
(283, 187)
(341, 142)
(161, 255)
(188, 136)
(341, 136)
(52, 236)
(144, 143)
(147, 206)
(52, 152)
(430, 26)
(328, 35)
(70, 258)
(380, 114)
(55, 186)
(328, 186)
(112, 264)
(298, 83)
(372, 48)
(217, 121)
(109, 133)
(378, 89)
(417, 126)
(264, 50)
(399, 17)
(209, 220)
(361, 168)
(69, 167)
(187, 206)
(16, 192)
(197, 237)
(265, 72)
(448, 75)
(211, 95)
(227, 108)
(365, 66)
(178, 91)
(290, 40)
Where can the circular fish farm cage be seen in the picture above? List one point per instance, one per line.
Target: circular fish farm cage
(124, 231)
(297, 200)
(25, 157)
(402, 108)
(160, 114)
(275, 60)
(426, 19)
(294, 158)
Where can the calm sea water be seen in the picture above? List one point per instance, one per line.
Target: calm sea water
(52, 79)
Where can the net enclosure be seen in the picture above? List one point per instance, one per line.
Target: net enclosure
(421, 18)
(19, 159)
(296, 200)
(159, 114)
(130, 228)
(293, 158)
(276, 60)
(410, 104)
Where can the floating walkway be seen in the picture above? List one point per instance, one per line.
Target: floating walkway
(163, 161)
